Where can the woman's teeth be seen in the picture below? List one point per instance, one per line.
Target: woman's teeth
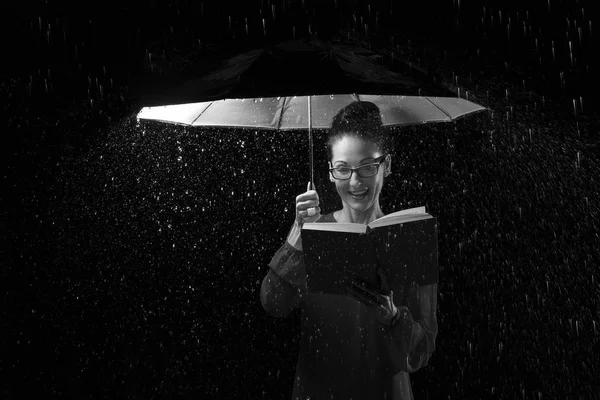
(359, 195)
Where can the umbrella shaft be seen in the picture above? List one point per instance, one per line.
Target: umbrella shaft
(310, 145)
(310, 157)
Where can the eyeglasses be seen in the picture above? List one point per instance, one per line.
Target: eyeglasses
(364, 171)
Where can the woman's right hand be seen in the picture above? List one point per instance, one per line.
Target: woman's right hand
(304, 201)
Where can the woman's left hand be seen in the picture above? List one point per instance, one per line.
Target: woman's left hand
(383, 298)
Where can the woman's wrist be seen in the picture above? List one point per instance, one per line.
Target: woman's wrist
(294, 238)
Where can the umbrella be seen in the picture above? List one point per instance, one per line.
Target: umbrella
(290, 86)
(301, 68)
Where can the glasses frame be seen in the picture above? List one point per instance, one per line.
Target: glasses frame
(378, 161)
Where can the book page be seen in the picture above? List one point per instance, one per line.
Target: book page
(416, 210)
(335, 227)
(400, 217)
(411, 214)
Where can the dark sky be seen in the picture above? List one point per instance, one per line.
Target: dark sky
(135, 252)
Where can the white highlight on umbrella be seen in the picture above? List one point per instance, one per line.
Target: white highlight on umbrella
(286, 113)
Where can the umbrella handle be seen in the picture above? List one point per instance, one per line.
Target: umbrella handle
(310, 144)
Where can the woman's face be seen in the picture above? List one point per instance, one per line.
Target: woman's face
(353, 152)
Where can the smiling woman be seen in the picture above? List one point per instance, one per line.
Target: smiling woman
(350, 349)
(356, 138)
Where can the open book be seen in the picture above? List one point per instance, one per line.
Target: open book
(404, 244)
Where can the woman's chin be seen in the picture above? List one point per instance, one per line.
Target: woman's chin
(359, 205)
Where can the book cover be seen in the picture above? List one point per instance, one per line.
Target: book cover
(404, 244)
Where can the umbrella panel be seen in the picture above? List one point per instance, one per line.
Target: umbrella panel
(323, 109)
(184, 114)
(406, 110)
(258, 113)
(456, 107)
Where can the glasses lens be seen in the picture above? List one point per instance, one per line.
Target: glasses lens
(368, 170)
(341, 173)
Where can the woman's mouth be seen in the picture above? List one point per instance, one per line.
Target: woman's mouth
(359, 195)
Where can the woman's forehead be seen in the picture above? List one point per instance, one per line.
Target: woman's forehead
(351, 149)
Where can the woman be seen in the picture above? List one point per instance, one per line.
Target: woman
(350, 348)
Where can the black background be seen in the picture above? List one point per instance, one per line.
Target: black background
(134, 252)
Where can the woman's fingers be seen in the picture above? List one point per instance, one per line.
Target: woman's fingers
(306, 201)
(361, 296)
(304, 213)
(310, 195)
(306, 204)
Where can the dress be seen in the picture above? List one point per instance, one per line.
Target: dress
(345, 353)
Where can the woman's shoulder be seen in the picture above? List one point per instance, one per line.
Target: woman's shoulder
(327, 217)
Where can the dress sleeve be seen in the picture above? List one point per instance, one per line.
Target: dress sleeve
(284, 285)
(415, 328)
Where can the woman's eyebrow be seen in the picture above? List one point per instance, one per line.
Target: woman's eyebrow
(340, 161)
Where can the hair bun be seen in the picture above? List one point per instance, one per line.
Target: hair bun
(361, 119)
(359, 114)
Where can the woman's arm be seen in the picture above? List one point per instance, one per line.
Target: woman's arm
(284, 285)
(422, 303)
(414, 329)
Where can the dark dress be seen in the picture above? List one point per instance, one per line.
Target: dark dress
(345, 353)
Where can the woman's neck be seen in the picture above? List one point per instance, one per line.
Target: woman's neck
(348, 215)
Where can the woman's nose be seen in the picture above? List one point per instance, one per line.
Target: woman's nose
(354, 178)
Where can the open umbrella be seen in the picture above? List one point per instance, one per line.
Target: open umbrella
(290, 86)
(301, 68)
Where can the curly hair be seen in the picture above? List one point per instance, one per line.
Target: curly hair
(360, 119)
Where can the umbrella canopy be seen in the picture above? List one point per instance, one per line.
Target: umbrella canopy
(292, 112)
(302, 84)
(301, 68)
